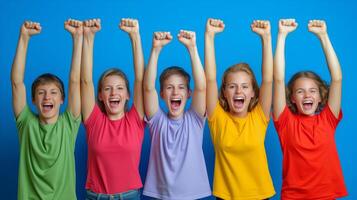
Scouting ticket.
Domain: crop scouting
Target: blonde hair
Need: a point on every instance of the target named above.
(241, 67)
(322, 85)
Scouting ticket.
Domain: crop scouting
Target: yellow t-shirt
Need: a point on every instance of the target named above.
(241, 168)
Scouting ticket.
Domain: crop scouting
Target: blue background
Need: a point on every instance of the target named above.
(51, 52)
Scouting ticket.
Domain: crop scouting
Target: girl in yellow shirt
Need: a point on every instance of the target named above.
(238, 118)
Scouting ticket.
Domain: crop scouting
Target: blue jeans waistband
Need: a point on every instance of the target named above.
(129, 195)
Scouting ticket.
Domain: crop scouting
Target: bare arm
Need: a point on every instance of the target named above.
(18, 67)
(74, 98)
(279, 101)
(319, 28)
(213, 26)
(131, 26)
(188, 38)
(262, 28)
(87, 87)
(151, 102)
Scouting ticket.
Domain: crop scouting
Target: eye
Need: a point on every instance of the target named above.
(54, 92)
(245, 87)
(231, 86)
(182, 87)
(120, 88)
(106, 89)
(40, 92)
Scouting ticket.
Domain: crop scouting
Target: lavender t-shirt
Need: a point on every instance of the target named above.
(177, 168)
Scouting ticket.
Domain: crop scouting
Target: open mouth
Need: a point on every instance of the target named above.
(47, 107)
(175, 103)
(238, 102)
(114, 102)
(307, 105)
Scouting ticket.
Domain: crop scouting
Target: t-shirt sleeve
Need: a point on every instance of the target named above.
(216, 120)
(281, 122)
(23, 119)
(260, 113)
(197, 118)
(154, 121)
(93, 117)
(73, 123)
(134, 115)
(330, 118)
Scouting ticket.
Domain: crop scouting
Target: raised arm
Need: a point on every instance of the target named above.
(213, 26)
(131, 26)
(87, 88)
(319, 28)
(262, 28)
(75, 28)
(279, 102)
(151, 102)
(18, 67)
(188, 38)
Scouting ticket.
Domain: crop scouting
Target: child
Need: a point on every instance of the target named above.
(306, 117)
(114, 133)
(238, 120)
(177, 168)
(47, 139)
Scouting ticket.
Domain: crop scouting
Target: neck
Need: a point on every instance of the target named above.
(46, 121)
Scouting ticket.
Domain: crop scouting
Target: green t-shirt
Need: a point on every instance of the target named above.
(47, 164)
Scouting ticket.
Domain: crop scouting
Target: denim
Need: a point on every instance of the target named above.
(129, 195)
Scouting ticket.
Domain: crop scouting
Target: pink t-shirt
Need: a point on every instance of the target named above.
(114, 148)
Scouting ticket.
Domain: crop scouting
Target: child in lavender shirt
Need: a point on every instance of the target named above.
(177, 169)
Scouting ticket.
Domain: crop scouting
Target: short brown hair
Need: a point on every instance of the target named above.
(105, 74)
(174, 70)
(44, 79)
(243, 67)
(323, 89)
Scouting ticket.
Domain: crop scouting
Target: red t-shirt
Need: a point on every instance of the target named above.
(114, 148)
(311, 167)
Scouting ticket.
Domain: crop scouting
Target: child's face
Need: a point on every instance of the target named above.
(175, 94)
(238, 91)
(48, 99)
(114, 94)
(306, 96)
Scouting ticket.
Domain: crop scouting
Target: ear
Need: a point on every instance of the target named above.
(293, 99)
(161, 94)
(189, 93)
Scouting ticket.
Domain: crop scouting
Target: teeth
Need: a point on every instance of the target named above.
(238, 98)
(307, 101)
(176, 99)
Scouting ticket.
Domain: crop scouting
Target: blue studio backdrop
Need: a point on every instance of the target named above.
(51, 52)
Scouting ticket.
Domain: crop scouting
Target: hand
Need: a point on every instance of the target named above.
(318, 27)
(91, 26)
(287, 25)
(75, 27)
(214, 26)
(129, 25)
(30, 28)
(161, 39)
(188, 38)
(261, 27)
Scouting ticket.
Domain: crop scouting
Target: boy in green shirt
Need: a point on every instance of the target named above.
(47, 139)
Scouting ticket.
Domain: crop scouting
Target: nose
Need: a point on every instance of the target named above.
(174, 91)
(238, 90)
(307, 94)
(47, 95)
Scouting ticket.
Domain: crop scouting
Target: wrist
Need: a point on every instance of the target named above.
(209, 34)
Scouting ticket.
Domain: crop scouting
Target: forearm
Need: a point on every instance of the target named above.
(279, 59)
(87, 60)
(197, 69)
(18, 66)
(267, 60)
(138, 56)
(151, 71)
(331, 58)
(210, 58)
(76, 59)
